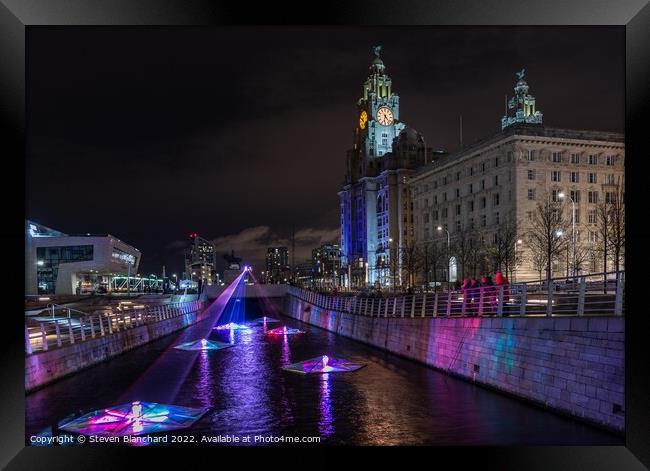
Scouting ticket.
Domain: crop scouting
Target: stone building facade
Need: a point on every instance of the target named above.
(495, 184)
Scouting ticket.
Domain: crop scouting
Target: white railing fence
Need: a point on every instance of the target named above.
(592, 295)
(58, 332)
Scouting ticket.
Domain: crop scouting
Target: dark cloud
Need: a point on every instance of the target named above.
(251, 243)
(152, 134)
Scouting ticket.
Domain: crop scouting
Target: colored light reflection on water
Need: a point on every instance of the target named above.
(264, 320)
(325, 424)
(232, 326)
(284, 330)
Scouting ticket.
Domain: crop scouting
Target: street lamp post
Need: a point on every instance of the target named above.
(573, 228)
(440, 229)
(391, 270)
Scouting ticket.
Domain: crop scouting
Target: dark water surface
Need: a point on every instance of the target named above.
(389, 401)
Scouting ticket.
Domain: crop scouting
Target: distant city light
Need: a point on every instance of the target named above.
(40, 263)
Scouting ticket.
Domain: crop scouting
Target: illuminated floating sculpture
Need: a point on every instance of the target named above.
(323, 364)
(134, 418)
(232, 326)
(284, 330)
(203, 344)
(264, 320)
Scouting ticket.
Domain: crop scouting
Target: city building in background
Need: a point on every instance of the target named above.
(376, 219)
(304, 273)
(484, 198)
(233, 267)
(326, 266)
(59, 263)
(200, 262)
(278, 269)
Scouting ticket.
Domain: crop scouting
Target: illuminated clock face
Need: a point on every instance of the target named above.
(385, 116)
(363, 119)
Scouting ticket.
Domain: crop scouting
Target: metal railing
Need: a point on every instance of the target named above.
(58, 332)
(53, 308)
(583, 296)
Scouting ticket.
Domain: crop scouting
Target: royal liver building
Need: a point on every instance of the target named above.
(376, 209)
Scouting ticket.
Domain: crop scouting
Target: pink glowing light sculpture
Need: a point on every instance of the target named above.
(284, 330)
(323, 364)
(134, 418)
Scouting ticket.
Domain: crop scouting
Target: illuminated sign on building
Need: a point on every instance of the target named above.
(122, 256)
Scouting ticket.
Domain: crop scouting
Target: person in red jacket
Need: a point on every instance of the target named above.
(502, 280)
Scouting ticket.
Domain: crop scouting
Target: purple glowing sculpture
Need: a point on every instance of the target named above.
(284, 330)
(323, 364)
(231, 326)
(203, 344)
(134, 418)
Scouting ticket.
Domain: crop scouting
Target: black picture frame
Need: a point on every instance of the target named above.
(18, 15)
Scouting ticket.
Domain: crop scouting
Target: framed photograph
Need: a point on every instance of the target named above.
(382, 227)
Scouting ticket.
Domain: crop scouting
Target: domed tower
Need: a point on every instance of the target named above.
(521, 107)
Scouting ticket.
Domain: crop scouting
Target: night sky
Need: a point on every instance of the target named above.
(240, 134)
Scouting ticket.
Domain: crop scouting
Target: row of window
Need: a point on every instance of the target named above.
(592, 236)
(531, 156)
(470, 190)
(574, 158)
(574, 177)
(496, 199)
(575, 195)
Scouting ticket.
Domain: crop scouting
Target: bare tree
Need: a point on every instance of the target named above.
(582, 257)
(501, 252)
(547, 233)
(463, 248)
(617, 222)
(411, 260)
(433, 260)
(477, 255)
(538, 261)
(603, 233)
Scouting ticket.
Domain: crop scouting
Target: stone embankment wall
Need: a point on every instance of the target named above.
(574, 365)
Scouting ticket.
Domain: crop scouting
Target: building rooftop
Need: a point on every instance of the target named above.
(531, 130)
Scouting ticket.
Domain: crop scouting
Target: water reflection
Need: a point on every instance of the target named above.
(325, 425)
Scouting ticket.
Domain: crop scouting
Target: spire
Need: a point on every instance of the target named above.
(377, 66)
(521, 107)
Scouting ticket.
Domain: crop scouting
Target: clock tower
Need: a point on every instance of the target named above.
(378, 110)
(373, 196)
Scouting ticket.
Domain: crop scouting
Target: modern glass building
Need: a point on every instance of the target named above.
(59, 263)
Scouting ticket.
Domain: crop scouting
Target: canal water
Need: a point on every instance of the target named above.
(391, 401)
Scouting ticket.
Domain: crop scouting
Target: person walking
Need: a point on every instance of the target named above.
(464, 288)
(473, 293)
(503, 281)
(489, 306)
